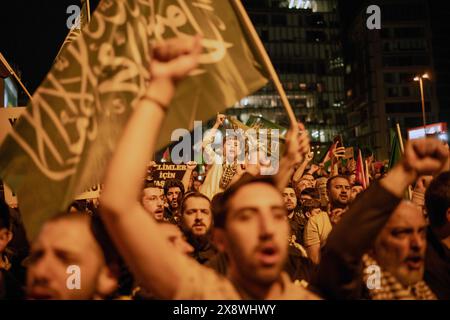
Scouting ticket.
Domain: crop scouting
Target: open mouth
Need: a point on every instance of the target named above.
(39, 294)
(414, 262)
(268, 255)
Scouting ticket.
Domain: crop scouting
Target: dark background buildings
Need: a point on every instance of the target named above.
(381, 66)
(340, 77)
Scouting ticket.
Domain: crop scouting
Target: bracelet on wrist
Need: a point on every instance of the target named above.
(162, 106)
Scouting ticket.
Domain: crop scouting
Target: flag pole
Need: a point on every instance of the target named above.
(13, 73)
(402, 150)
(88, 11)
(400, 138)
(245, 19)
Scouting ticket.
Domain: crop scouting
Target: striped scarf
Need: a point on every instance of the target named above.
(228, 173)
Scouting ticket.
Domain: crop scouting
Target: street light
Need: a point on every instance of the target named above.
(420, 79)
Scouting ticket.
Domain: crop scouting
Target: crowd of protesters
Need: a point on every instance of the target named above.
(303, 233)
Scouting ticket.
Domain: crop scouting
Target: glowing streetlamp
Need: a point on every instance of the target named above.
(420, 79)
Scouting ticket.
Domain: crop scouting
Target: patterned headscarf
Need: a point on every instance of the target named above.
(390, 288)
(228, 173)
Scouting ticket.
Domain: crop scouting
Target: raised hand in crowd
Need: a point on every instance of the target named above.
(338, 153)
(220, 119)
(314, 168)
(422, 157)
(297, 149)
(187, 177)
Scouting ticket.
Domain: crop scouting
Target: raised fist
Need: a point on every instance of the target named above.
(220, 119)
(424, 156)
(191, 165)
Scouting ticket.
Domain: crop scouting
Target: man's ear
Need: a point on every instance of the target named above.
(220, 239)
(107, 282)
(5, 237)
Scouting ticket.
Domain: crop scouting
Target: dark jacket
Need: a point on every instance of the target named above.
(437, 266)
(10, 288)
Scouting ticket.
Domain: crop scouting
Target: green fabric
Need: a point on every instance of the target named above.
(395, 154)
(63, 142)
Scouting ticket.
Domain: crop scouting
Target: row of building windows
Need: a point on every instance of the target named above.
(403, 32)
(280, 34)
(407, 107)
(398, 77)
(314, 20)
(317, 67)
(406, 60)
(311, 83)
(405, 45)
(328, 103)
(294, 5)
(402, 92)
(302, 51)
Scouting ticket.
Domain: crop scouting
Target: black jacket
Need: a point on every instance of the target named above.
(437, 266)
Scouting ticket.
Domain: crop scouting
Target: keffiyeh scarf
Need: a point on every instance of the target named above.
(390, 288)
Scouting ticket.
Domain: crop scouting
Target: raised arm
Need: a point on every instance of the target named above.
(134, 231)
(301, 169)
(190, 167)
(297, 150)
(209, 138)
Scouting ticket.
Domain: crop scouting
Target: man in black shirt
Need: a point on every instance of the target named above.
(196, 223)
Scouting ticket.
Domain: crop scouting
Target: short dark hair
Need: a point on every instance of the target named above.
(437, 199)
(222, 207)
(216, 203)
(312, 192)
(98, 231)
(333, 178)
(192, 195)
(150, 184)
(312, 204)
(306, 174)
(290, 186)
(173, 183)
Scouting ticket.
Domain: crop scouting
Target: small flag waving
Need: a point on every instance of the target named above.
(337, 142)
(62, 144)
(396, 153)
(360, 172)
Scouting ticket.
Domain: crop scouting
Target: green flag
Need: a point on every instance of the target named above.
(62, 144)
(230, 69)
(396, 153)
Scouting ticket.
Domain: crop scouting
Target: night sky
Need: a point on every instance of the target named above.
(31, 33)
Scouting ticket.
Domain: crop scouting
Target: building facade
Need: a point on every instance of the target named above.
(380, 69)
(304, 42)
